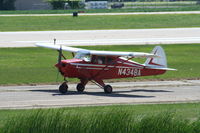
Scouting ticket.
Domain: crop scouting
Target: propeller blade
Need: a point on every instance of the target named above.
(57, 76)
(60, 54)
(59, 60)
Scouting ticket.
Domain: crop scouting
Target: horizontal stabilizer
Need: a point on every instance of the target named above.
(161, 68)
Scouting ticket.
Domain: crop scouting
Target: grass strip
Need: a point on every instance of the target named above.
(36, 65)
(42, 23)
(170, 118)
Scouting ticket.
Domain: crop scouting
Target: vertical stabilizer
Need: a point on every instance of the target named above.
(157, 62)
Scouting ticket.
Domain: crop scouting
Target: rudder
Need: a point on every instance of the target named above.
(158, 62)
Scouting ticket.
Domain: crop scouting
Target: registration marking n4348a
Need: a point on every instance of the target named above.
(129, 71)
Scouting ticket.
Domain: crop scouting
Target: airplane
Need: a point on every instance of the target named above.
(96, 66)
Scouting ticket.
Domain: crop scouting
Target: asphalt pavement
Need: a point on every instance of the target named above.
(102, 37)
(44, 96)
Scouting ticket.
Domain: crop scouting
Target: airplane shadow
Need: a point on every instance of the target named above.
(114, 94)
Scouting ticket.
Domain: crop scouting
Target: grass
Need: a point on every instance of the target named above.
(42, 23)
(27, 65)
(170, 118)
(36, 65)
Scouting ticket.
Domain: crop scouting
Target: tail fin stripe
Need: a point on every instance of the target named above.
(151, 63)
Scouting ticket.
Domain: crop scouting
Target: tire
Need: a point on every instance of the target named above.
(108, 89)
(80, 87)
(63, 88)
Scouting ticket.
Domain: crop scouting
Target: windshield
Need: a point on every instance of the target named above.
(83, 55)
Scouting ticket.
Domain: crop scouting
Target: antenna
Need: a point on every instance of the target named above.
(54, 40)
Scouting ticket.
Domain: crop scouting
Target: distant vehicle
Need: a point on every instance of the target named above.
(96, 5)
(96, 66)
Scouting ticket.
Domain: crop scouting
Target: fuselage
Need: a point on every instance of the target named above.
(104, 68)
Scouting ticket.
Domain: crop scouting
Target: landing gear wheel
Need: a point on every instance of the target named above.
(63, 88)
(80, 87)
(108, 89)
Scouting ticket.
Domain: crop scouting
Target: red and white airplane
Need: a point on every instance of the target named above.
(96, 66)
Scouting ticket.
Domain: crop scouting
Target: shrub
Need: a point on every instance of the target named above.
(73, 4)
(59, 4)
(108, 121)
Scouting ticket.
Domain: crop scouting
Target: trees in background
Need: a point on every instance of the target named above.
(7, 4)
(60, 4)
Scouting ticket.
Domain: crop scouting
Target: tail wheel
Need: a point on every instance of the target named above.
(63, 88)
(108, 89)
(80, 87)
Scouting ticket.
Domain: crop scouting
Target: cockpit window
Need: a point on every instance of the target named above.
(87, 58)
(83, 55)
(99, 59)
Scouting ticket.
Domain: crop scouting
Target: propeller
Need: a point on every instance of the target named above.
(59, 60)
(60, 55)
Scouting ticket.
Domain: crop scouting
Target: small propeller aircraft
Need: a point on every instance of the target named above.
(96, 66)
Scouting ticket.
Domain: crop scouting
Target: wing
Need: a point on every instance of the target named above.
(128, 54)
(100, 53)
(57, 47)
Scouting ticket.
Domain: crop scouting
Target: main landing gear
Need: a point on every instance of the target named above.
(81, 86)
(107, 89)
(63, 87)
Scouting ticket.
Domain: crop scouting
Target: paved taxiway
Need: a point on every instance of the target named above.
(124, 93)
(102, 37)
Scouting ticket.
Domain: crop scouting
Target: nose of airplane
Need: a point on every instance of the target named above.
(61, 64)
(57, 65)
(61, 67)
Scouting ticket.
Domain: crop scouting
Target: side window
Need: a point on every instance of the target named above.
(94, 59)
(101, 60)
(110, 60)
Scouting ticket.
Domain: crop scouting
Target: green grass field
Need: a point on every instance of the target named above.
(160, 118)
(36, 65)
(35, 23)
